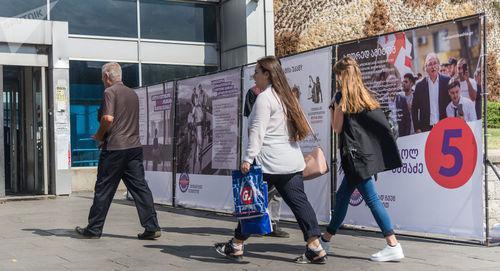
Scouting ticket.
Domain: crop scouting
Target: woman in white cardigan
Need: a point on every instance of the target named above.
(276, 125)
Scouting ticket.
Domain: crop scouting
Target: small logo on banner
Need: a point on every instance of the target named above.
(247, 195)
(356, 198)
(184, 182)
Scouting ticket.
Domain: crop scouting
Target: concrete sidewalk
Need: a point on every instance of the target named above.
(38, 235)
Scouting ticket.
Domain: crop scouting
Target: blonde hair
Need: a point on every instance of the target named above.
(297, 123)
(355, 96)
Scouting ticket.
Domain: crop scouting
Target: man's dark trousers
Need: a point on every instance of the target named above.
(114, 166)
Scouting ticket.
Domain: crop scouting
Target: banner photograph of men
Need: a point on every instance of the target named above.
(409, 72)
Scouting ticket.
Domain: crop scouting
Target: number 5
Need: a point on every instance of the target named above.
(453, 151)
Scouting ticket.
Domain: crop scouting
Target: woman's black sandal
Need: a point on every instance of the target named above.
(311, 256)
(227, 250)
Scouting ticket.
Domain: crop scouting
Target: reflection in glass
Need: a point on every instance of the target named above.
(178, 21)
(117, 18)
(26, 9)
(156, 73)
(86, 90)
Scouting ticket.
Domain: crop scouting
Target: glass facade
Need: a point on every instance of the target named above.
(86, 90)
(26, 9)
(160, 19)
(186, 21)
(178, 21)
(115, 18)
(157, 73)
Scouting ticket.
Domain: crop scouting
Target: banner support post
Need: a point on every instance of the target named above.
(485, 128)
(174, 143)
(240, 117)
(333, 183)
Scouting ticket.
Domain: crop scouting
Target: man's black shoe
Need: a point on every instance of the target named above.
(149, 235)
(83, 232)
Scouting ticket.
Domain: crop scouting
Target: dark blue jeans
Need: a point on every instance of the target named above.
(367, 189)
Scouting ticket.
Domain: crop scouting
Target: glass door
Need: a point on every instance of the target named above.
(23, 109)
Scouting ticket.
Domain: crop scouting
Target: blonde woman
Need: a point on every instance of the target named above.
(367, 147)
(276, 125)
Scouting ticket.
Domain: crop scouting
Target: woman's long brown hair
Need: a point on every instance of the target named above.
(297, 123)
(355, 96)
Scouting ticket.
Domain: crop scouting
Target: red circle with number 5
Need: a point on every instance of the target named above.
(451, 153)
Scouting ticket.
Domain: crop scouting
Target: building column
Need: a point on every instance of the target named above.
(247, 31)
(2, 150)
(60, 135)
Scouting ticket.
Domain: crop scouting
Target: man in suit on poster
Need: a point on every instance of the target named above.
(431, 96)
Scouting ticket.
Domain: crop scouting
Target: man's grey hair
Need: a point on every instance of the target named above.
(113, 71)
(431, 56)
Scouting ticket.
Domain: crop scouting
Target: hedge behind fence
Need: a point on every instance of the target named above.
(493, 115)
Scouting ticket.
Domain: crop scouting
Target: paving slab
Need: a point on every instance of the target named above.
(39, 235)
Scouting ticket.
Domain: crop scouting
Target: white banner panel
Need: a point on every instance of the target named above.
(309, 74)
(207, 147)
(205, 192)
(160, 184)
(418, 202)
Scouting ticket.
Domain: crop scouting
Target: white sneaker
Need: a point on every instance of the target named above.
(325, 245)
(389, 254)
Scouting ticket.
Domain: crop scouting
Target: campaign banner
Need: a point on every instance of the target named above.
(156, 133)
(142, 94)
(310, 75)
(427, 80)
(208, 138)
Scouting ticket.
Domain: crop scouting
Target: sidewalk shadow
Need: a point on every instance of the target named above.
(331, 255)
(200, 231)
(283, 224)
(410, 238)
(204, 254)
(180, 210)
(208, 254)
(71, 233)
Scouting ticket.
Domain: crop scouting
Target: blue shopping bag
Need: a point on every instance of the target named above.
(249, 193)
(256, 225)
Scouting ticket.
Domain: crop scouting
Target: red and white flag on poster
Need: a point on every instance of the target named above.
(400, 52)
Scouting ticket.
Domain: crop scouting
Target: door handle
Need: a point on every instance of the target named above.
(32, 132)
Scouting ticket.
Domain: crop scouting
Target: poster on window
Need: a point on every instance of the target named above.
(207, 146)
(428, 81)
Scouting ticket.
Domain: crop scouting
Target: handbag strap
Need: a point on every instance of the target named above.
(316, 140)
